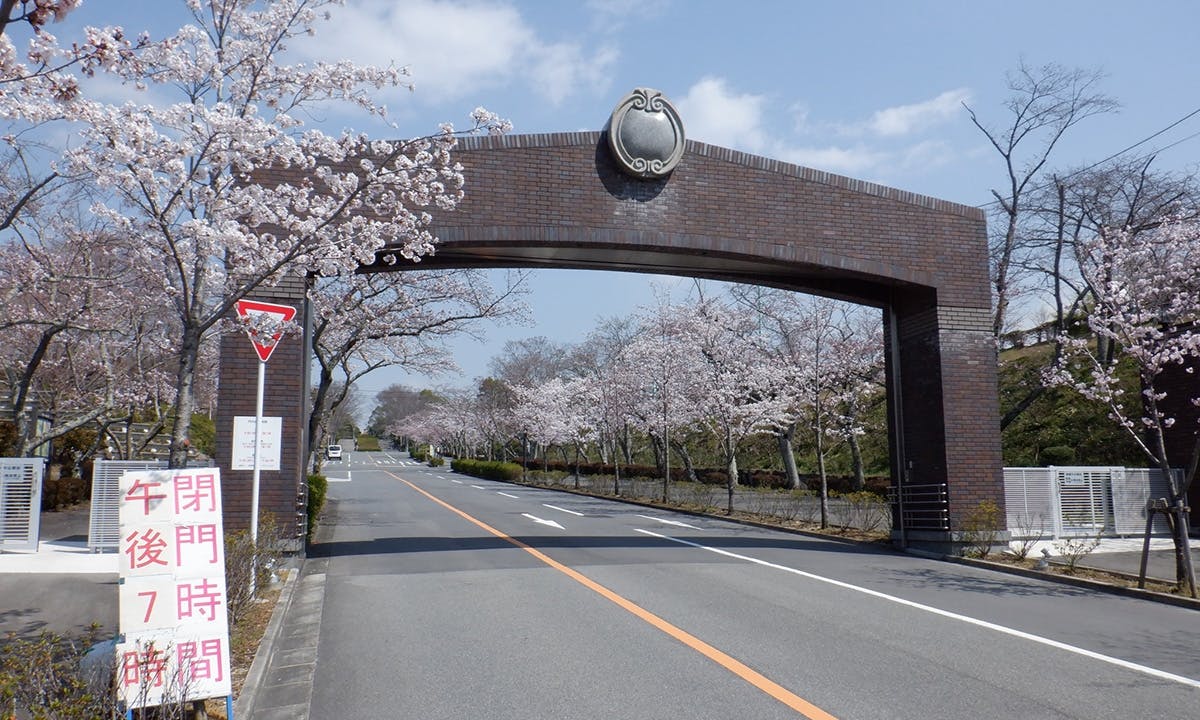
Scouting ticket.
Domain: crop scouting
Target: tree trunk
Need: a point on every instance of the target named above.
(625, 446)
(824, 480)
(576, 466)
(185, 400)
(657, 445)
(784, 438)
(731, 482)
(686, 456)
(860, 476)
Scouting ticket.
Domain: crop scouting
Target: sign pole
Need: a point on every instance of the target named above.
(248, 310)
(258, 421)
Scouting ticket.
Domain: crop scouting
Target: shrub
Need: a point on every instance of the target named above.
(420, 453)
(1057, 455)
(317, 487)
(246, 561)
(60, 492)
(981, 528)
(1075, 549)
(436, 461)
(490, 469)
(42, 677)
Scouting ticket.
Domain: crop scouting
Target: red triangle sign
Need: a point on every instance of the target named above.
(251, 310)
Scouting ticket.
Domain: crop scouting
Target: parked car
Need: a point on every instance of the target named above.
(333, 452)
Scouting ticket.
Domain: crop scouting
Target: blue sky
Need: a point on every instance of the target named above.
(872, 90)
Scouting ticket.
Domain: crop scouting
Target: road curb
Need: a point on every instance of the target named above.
(1176, 600)
(244, 703)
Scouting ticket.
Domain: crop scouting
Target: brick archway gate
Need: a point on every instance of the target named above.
(559, 201)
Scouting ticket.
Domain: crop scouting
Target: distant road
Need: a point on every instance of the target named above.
(454, 597)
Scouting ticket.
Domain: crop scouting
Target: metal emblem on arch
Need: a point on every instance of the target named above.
(645, 134)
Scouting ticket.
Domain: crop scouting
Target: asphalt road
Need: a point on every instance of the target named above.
(454, 597)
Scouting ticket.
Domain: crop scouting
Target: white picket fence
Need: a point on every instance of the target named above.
(1056, 502)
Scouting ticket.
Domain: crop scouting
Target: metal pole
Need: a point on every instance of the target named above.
(258, 418)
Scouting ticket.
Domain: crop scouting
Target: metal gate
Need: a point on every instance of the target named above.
(1085, 499)
(1081, 501)
(104, 532)
(20, 502)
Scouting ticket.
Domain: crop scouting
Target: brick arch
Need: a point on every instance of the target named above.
(559, 201)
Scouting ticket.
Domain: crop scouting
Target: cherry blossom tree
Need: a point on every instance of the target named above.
(831, 356)
(655, 372)
(559, 412)
(362, 323)
(76, 342)
(1146, 290)
(194, 184)
(737, 391)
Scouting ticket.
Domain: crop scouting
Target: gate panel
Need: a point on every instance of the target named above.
(104, 532)
(20, 502)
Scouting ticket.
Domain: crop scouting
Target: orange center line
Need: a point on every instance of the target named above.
(755, 678)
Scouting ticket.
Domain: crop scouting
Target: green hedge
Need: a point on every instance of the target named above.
(436, 461)
(490, 469)
(317, 485)
(366, 443)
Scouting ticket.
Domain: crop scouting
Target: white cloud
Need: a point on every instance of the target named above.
(559, 70)
(613, 15)
(907, 119)
(841, 160)
(714, 114)
(455, 48)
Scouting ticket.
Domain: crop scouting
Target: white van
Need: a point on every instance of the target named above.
(333, 452)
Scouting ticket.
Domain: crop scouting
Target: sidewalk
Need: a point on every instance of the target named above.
(62, 588)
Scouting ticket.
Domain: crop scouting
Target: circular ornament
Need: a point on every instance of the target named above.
(646, 134)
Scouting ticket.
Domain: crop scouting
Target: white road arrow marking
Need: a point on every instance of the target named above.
(669, 522)
(555, 507)
(514, 497)
(540, 521)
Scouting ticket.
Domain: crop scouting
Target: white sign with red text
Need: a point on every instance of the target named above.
(173, 609)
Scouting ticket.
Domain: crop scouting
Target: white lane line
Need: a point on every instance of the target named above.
(669, 522)
(1145, 670)
(456, 481)
(338, 479)
(555, 507)
(440, 477)
(479, 487)
(540, 521)
(514, 497)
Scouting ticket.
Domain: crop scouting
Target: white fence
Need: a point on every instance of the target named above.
(20, 502)
(104, 532)
(1081, 501)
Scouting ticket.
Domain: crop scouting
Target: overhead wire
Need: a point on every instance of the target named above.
(1121, 152)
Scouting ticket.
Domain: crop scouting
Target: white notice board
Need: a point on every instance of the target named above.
(243, 443)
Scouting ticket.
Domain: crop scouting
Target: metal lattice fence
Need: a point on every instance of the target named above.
(104, 532)
(20, 502)
(1081, 501)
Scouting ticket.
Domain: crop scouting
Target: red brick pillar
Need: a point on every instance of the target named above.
(282, 493)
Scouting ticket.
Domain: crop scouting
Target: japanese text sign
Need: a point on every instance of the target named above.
(173, 613)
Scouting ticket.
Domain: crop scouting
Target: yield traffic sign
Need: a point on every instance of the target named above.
(260, 315)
